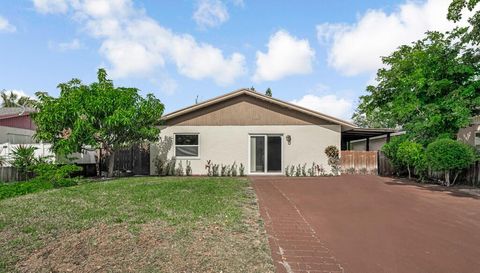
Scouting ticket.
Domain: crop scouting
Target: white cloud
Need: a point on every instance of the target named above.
(210, 13)
(5, 26)
(357, 48)
(286, 55)
(136, 45)
(74, 44)
(51, 6)
(328, 104)
(239, 3)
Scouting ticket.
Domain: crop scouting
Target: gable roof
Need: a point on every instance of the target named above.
(256, 95)
(9, 112)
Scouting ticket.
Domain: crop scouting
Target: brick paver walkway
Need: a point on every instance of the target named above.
(368, 224)
(295, 245)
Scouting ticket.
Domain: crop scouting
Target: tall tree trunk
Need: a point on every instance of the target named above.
(409, 175)
(111, 163)
(447, 178)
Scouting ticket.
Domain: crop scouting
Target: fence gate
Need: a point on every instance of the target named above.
(135, 159)
(365, 162)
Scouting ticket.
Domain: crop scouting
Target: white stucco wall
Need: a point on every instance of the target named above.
(226, 144)
(16, 135)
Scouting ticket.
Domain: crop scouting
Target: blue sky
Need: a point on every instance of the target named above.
(319, 54)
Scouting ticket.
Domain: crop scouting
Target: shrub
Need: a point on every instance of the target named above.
(9, 190)
(188, 168)
(333, 159)
(209, 168)
(298, 171)
(160, 165)
(57, 175)
(234, 169)
(23, 159)
(321, 170)
(287, 171)
(449, 155)
(215, 169)
(179, 169)
(390, 150)
(410, 154)
(304, 169)
(241, 170)
(171, 167)
(223, 170)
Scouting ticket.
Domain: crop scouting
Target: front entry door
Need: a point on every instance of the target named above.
(265, 154)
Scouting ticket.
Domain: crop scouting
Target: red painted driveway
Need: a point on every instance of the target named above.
(368, 224)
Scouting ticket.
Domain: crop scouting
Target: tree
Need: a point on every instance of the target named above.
(268, 92)
(390, 150)
(410, 154)
(98, 115)
(455, 11)
(429, 88)
(449, 155)
(12, 100)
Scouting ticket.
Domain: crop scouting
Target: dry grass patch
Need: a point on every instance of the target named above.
(136, 225)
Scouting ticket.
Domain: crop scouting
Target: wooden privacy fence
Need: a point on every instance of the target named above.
(364, 162)
(8, 174)
(134, 159)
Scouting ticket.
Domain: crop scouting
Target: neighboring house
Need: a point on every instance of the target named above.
(469, 135)
(262, 133)
(16, 125)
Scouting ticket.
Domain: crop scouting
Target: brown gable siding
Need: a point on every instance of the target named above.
(245, 110)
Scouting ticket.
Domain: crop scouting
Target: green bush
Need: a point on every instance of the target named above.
(8, 190)
(449, 155)
(57, 175)
(390, 150)
(411, 155)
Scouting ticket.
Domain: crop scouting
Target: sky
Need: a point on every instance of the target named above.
(318, 54)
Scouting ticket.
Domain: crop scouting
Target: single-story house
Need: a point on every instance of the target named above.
(262, 133)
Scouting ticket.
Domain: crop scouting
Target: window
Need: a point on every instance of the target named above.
(186, 145)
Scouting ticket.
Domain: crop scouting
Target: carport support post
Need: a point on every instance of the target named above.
(367, 148)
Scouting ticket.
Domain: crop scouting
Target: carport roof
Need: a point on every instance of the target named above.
(362, 133)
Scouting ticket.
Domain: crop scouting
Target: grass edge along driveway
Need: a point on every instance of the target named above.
(141, 224)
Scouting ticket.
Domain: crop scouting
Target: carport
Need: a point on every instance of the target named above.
(364, 133)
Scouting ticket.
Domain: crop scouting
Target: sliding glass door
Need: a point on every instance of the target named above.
(265, 154)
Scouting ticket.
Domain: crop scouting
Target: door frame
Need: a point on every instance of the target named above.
(265, 172)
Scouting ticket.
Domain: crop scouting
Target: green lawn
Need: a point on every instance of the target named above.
(146, 224)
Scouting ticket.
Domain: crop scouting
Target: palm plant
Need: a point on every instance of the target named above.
(13, 100)
(23, 159)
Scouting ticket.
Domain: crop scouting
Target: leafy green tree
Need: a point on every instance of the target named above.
(429, 88)
(268, 92)
(390, 150)
(410, 154)
(448, 155)
(455, 10)
(98, 115)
